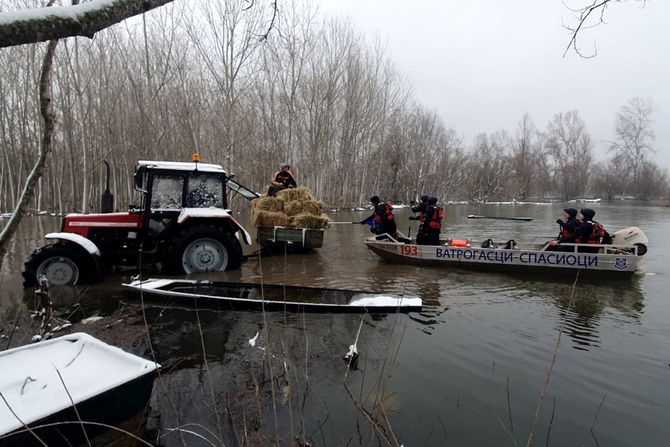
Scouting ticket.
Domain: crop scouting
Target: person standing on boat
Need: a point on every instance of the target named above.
(282, 179)
(421, 209)
(432, 223)
(382, 219)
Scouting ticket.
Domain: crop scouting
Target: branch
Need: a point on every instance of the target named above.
(43, 24)
(583, 15)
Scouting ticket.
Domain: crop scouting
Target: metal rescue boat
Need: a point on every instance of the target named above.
(622, 258)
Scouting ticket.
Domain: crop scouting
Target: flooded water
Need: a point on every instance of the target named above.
(469, 369)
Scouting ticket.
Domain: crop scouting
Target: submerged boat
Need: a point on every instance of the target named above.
(622, 258)
(276, 297)
(41, 382)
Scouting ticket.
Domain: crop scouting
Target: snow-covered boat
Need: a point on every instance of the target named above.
(40, 383)
(622, 258)
(274, 296)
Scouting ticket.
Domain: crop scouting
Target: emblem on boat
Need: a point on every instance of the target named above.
(620, 264)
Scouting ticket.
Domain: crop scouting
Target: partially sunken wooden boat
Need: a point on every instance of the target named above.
(621, 259)
(40, 382)
(275, 297)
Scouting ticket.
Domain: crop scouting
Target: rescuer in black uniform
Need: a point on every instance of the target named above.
(432, 224)
(382, 219)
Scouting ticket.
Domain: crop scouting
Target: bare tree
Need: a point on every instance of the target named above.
(610, 179)
(488, 167)
(653, 182)
(635, 137)
(50, 24)
(570, 147)
(524, 159)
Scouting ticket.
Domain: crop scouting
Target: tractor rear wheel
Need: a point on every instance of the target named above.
(204, 248)
(61, 266)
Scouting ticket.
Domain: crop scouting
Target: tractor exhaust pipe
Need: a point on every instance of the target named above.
(107, 200)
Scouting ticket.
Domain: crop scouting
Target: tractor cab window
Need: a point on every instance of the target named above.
(166, 192)
(204, 191)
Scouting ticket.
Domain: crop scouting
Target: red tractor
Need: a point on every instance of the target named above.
(183, 226)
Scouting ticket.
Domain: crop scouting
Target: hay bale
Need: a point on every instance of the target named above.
(301, 193)
(267, 204)
(312, 207)
(305, 220)
(270, 219)
(293, 207)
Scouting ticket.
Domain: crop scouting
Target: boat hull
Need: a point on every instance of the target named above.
(234, 296)
(526, 261)
(109, 408)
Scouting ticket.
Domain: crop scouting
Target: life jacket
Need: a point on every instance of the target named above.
(597, 234)
(388, 214)
(435, 221)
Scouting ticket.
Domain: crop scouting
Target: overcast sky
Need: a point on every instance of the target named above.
(482, 64)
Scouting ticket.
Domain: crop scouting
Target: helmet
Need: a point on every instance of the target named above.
(571, 212)
(374, 199)
(284, 165)
(432, 200)
(588, 213)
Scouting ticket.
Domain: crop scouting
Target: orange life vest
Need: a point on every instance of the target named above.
(388, 214)
(435, 221)
(597, 234)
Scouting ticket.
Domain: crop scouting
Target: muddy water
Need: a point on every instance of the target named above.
(466, 370)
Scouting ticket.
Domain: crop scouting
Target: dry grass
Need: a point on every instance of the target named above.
(306, 220)
(293, 207)
(301, 193)
(267, 204)
(270, 219)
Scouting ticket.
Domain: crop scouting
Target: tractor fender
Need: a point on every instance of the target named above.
(84, 243)
(214, 213)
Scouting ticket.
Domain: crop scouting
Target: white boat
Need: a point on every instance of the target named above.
(585, 200)
(275, 296)
(40, 382)
(622, 258)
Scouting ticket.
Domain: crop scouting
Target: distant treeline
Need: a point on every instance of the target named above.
(198, 77)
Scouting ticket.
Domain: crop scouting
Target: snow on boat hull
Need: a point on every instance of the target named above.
(617, 261)
(275, 297)
(106, 384)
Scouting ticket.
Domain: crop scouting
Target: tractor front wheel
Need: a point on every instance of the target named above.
(61, 266)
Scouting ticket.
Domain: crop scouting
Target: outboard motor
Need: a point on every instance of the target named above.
(632, 236)
(107, 200)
